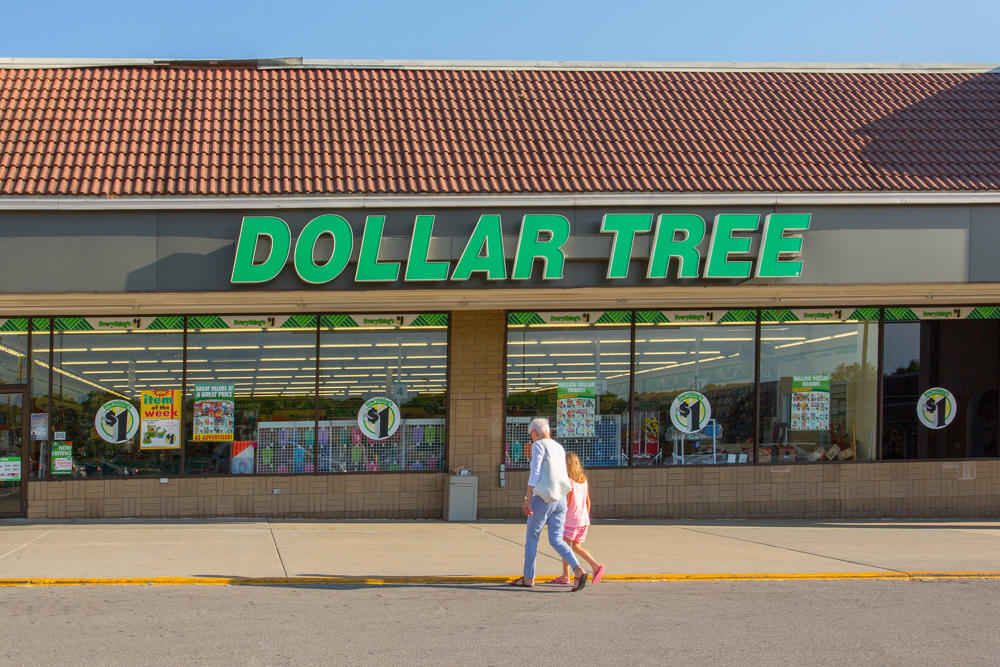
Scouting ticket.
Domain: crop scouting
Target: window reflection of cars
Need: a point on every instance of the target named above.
(102, 469)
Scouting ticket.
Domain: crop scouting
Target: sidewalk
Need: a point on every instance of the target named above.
(219, 551)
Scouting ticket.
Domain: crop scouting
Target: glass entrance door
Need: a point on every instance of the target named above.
(11, 450)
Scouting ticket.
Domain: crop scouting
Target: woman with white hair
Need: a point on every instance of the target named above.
(546, 506)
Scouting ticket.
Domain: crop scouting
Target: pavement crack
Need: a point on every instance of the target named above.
(26, 544)
(514, 542)
(277, 550)
(798, 551)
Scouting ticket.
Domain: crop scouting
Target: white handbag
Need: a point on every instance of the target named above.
(553, 481)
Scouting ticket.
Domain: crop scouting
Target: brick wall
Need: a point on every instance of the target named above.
(477, 398)
(834, 490)
(352, 496)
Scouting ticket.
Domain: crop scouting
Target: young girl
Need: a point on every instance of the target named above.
(577, 519)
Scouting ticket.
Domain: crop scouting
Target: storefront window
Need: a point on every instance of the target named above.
(254, 404)
(818, 385)
(572, 368)
(400, 357)
(694, 384)
(250, 402)
(14, 350)
(14, 367)
(106, 371)
(940, 397)
(40, 433)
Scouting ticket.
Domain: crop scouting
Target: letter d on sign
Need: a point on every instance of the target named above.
(244, 270)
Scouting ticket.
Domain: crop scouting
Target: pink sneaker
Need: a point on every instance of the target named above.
(598, 574)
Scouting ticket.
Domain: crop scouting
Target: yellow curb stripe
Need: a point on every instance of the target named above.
(135, 581)
(398, 580)
(804, 576)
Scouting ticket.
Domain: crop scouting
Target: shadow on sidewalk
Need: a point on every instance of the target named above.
(349, 582)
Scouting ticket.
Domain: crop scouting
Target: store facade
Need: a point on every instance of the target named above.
(707, 355)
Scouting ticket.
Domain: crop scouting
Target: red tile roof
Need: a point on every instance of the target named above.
(242, 131)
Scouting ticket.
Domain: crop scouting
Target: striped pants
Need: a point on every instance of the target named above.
(553, 514)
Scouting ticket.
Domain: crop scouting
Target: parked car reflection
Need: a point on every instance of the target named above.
(104, 469)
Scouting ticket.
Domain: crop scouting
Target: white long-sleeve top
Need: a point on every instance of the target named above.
(538, 448)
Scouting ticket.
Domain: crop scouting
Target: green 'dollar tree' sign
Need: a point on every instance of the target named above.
(542, 237)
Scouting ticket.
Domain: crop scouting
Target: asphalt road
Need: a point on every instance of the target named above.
(757, 623)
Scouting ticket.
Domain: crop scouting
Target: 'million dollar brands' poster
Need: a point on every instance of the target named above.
(576, 404)
(810, 403)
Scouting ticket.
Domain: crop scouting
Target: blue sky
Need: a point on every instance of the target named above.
(959, 31)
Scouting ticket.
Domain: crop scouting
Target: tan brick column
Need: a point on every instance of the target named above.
(476, 396)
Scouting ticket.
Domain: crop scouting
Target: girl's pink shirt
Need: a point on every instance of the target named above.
(577, 515)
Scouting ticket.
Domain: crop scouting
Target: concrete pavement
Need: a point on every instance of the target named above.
(767, 623)
(261, 551)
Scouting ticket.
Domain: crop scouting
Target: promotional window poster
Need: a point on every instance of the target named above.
(10, 468)
(243, 457)
(810, 403)
(576, 405)
(62, 458)
(213, 412)
(160, 419)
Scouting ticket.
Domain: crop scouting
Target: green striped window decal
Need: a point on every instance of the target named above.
(900, 315)
(206, 322)
(430, 320)
(17, 324)
(299, 322)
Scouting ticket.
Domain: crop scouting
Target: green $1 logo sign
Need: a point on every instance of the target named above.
(936, 408)
(379, 418)
(690, 412)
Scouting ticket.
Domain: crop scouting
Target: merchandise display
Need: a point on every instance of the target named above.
(602, 449)
(288, 447)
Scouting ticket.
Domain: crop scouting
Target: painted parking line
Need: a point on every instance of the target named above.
(430, 580)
